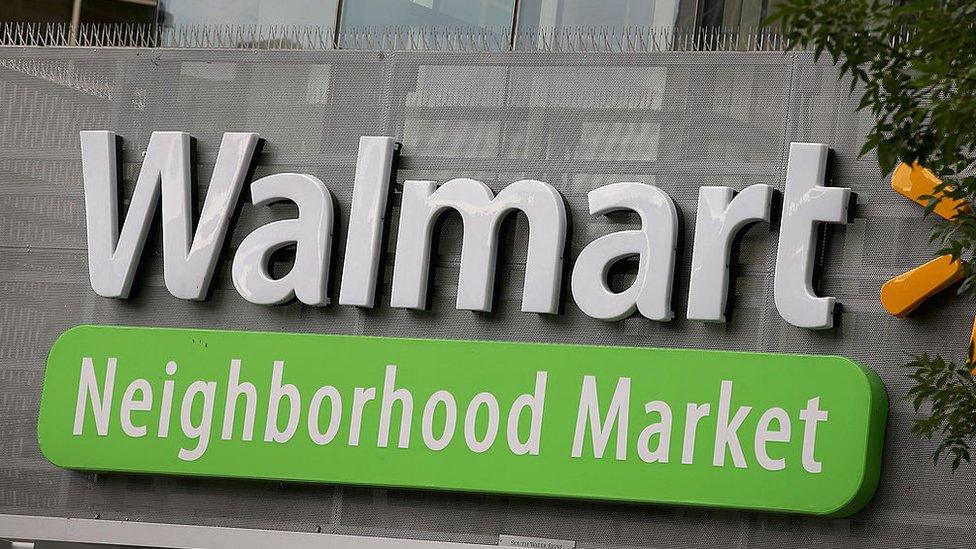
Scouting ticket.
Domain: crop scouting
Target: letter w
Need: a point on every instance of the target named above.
(189, 259)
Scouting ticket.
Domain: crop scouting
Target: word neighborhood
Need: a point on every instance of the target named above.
(190, 256)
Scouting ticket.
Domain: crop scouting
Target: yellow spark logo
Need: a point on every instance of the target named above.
(905, 292)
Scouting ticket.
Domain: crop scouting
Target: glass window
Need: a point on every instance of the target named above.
(735, 13)
(606, 13)
(320, 13)
(495, 14)
(540, 21)
(117, 11)
(435, 23)
(36, 11)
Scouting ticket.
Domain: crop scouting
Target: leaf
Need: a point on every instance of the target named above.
(887, 157)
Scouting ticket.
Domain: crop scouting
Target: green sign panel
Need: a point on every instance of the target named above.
(775, 432)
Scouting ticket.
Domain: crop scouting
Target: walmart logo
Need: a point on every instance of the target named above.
(905, 292)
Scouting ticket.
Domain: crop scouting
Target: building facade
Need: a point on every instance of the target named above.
(572, 97)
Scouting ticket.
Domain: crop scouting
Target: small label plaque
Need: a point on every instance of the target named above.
(505, 540)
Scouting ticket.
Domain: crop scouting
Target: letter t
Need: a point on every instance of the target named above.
(810, 416)
(806, 203)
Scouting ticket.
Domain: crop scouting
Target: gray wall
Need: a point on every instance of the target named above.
(577, 121)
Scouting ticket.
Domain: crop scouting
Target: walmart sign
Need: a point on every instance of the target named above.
(774, 432)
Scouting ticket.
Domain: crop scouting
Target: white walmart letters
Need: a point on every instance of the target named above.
(720, 218)
(654, 244)
(190, 256)
(424, 201)
(311, 233)
(806, 204)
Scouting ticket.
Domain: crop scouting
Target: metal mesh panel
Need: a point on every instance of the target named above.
(577, 121)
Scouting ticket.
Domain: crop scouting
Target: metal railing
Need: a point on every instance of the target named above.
(470, 39)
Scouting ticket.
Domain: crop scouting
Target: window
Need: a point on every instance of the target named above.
(606, 13)
(435, 23)
(542, 21)
(734, 13)
(441, 14)
(117, 11)
(321, 13)
(416, 24)
(36, 11)
(87, 12)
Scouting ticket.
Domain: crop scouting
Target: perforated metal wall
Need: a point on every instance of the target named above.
(577, 121)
